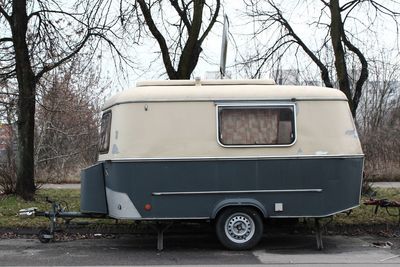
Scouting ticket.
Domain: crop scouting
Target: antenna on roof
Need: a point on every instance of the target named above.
(224, 46)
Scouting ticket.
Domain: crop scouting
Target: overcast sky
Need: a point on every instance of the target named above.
(301, 14)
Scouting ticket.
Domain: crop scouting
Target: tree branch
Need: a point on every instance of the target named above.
(288, 44)
(348, 5)
(159, 37)
(4, 13)
(317, 61)
(364, 70)
(6, 39)
(49, 67)
(72, 15)
(212, 22)
(7, 75)
(384, 9)
(182, 14)
(324, 2)
(192, 48)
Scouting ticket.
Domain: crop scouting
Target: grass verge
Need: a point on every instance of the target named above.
(10, 205)
(366, 214)
(362, 216)
(69, 198)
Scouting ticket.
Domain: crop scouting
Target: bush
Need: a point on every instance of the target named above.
(8, 175)
(381, 146)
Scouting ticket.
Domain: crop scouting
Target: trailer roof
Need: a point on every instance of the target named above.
(203, 82)
(220, 90)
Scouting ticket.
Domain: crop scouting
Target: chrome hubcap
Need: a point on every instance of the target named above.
(239, 228)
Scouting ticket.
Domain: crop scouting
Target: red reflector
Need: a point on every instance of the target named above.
(147, 207)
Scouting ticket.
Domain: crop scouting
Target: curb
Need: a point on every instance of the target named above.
(195, 229)
(133, 229)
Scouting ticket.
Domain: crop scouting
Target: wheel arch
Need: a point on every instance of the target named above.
(239, 202)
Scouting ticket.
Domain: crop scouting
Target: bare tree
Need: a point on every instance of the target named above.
(37, 37)
(68, 120)
(340, 41)
(382, 93)
(379, 117)
(179, 27)
(7, 147)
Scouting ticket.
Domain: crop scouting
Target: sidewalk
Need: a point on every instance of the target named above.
(386, 184)
(61, 186)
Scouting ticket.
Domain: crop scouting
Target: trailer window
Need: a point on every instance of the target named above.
(105, 132)
(256, 125)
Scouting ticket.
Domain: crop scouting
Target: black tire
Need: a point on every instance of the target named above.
(239, 228)
(44, 236)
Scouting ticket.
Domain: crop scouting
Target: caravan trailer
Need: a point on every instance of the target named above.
(233, 152)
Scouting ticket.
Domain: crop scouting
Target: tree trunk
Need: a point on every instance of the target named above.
(26, 102)
(338, 50)
(191, 51)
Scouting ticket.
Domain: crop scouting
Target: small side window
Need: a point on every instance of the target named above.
(105, 132)
(265, 125)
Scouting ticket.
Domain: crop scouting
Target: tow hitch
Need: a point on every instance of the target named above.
(28, 213)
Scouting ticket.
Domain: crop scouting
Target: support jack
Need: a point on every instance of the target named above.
(318, 234)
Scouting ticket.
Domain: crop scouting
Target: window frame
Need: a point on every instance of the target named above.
(219, 106)
(107, 148)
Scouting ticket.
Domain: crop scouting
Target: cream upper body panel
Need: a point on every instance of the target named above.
(165, 130)
(225, 90)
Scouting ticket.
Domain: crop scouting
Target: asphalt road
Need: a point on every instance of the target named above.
(198, 250)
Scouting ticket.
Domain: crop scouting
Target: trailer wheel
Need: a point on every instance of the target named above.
(45, 236)
(239, 228)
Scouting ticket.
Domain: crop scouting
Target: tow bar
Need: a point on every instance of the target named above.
(57, 211)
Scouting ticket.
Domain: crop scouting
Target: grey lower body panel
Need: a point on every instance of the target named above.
(289, 187)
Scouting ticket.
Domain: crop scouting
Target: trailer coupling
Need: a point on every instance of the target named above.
(27, 213)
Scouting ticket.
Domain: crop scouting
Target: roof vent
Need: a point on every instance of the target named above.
(197, 81)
